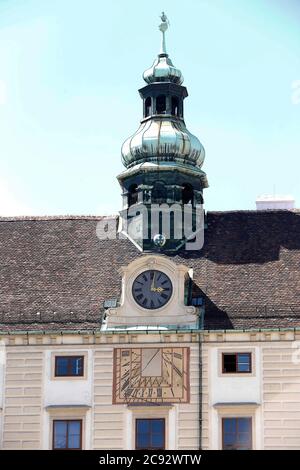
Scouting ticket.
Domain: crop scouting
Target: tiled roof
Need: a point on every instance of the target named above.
(55, 273)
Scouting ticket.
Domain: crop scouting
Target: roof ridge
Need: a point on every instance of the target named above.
(115, 216)
(56, 217)
(253, 211)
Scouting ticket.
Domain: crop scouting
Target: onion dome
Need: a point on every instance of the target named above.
(163, 70)
(159, 140)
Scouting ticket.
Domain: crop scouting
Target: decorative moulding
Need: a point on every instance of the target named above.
(175, 313)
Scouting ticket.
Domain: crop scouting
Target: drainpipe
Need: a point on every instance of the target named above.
(201, 326)
(200, 389)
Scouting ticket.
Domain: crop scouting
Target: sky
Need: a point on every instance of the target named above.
(70, 71)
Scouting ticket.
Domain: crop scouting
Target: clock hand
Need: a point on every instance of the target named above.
(158, 289)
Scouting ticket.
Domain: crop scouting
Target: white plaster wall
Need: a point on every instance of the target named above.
(76, 391)
(81, 392)
(229, 389)
(67, 392)
(46, 431)
(172, 444)
(128, 418)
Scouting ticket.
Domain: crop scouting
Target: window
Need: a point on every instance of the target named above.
(197, 301)
(237, 433)
(67, 434)
(150, 434)
(69, 366)
(161, 104)
(236, 363)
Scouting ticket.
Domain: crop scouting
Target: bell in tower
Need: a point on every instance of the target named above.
(162, 186)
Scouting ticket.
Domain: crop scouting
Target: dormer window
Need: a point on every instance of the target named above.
(161, 104)
(148, 107)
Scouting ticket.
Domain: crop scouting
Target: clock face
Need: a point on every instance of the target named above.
(152, 289)
(151, 375)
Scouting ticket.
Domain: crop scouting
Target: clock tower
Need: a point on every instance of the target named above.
(162, 185)
(162, 189)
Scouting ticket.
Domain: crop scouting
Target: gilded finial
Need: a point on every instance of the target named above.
(163, 28)
(164, 18)
(163, 69)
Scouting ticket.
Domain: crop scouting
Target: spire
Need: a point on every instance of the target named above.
(163, 28)
(162, 69)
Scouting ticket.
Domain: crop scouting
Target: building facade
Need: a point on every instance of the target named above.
(122, 333)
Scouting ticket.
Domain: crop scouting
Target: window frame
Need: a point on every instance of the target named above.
(236, 354)
(67, 421)
(150, 419)
(69, 357)
(237, 418)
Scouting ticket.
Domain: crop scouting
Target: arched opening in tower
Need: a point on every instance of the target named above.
(187, 194)
(159, 193)
(161, 104)
(148, 106)
(132, 195)
(175, 106)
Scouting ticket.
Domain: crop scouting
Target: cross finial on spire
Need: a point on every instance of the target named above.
(163, 28)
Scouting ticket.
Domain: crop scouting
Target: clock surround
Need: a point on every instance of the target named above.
(175, 314)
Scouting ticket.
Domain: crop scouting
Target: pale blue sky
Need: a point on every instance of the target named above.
(69, 75)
